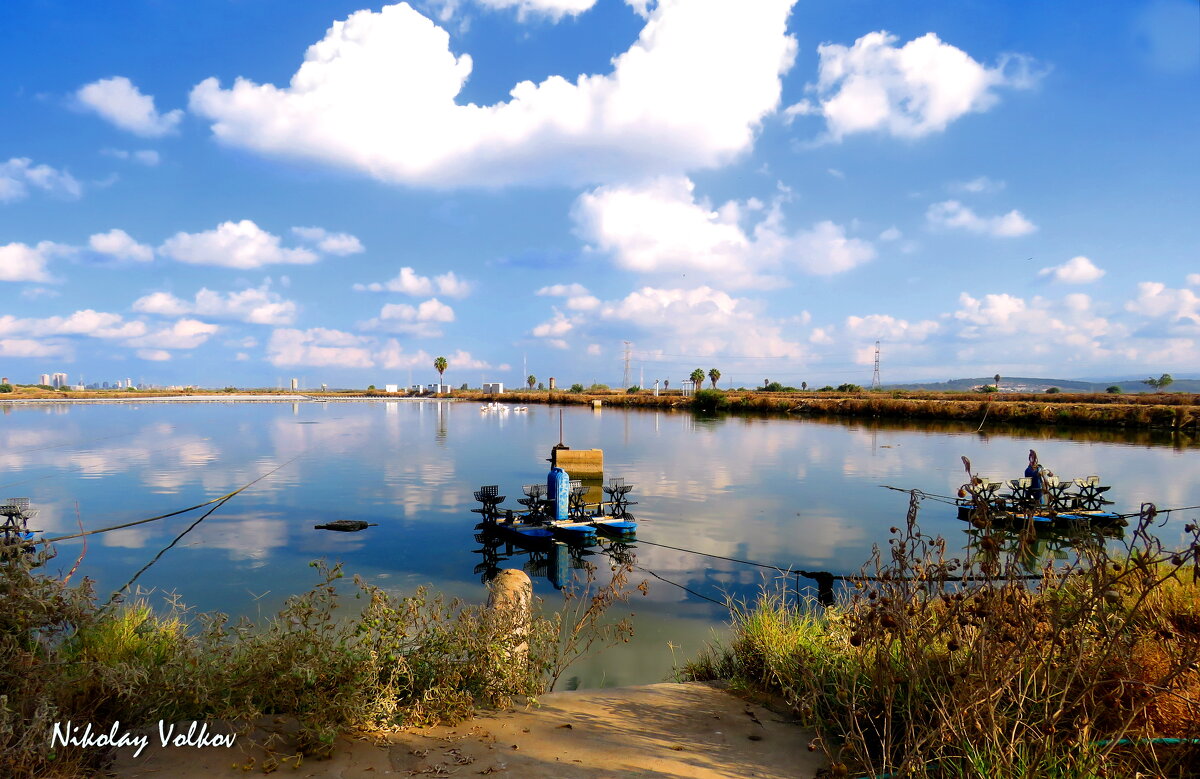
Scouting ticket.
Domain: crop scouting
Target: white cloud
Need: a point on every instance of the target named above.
(552, 9)
(184, 334)
(558, 326)
(19, 174)
(660, 227)
(147, 157)
(234, 245)
(418, 320)
(19, 262)
(27, 347)
(118, 244)
(891, 234)
(889, 328)
(563, 290)
(1077, 270)
(120, 102)
(154, 355)
(1193, 279)
(1157, 300)
(978, 185)
(952, 214)
(256, 305)
(340, 244)
(319, 347)
(409, 282)
(908, 91)
(378, 94)
(94, 324)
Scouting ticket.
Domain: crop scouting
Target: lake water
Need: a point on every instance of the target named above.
(784, 492)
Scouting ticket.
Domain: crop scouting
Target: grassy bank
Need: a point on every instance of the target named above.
(933, 666)
(391, 661)
(1178, 411)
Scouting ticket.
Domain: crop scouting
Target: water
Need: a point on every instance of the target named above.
(783, 492)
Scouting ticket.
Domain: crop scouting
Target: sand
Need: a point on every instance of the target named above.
(689, 731)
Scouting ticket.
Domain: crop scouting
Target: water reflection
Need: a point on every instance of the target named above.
(783, 492)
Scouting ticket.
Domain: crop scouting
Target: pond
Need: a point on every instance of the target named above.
(782, 492)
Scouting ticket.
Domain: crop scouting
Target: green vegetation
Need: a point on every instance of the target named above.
(598, 388)
(577, 388)
(1052, 390)
(1113, 390)
(394, 660)
(708, 401)
(531, 380)
(440, 365)
(1161, 383)
(635, 389)
(697, 377)
(986, 388)
(714, 375)
(932, 666)
(849, 388)
(370, 388)
(6, 387)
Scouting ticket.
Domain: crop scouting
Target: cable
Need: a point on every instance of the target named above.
(680, 586)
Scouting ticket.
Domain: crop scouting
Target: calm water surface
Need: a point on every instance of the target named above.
(789, 493)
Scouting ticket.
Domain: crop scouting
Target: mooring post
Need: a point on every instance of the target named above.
(510, 597)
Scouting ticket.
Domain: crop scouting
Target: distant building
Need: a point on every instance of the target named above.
(391, 387)
(58, 380)
(417, 389)
(552, 384)
(493, 387)
(437, 389)
(295, 384)
(44, 379)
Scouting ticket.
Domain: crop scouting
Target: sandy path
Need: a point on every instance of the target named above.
(689, 731)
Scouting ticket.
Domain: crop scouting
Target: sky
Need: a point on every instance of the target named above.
(238, 192)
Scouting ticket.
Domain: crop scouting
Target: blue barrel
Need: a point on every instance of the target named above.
(558, 490)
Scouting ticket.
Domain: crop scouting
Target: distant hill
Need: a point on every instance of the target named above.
(1024, 384)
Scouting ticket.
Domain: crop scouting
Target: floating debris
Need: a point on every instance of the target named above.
(346, 525)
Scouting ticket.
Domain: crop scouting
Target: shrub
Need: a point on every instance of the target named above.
(849, 388)
(1113, 390)
(635, 389)
(1053, 390)
(598, 388)
(576, 388)
(986, 388)
(6, 387)
(826, 388)
(709, 400)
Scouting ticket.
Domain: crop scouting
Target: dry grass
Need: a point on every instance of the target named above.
(924, 672)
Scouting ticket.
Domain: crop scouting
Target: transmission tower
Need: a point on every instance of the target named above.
(625, 383)
(875, 376)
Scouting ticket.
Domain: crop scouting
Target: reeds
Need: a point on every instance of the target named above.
(937, 666)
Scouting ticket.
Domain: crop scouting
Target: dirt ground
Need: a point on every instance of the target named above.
(688, 731)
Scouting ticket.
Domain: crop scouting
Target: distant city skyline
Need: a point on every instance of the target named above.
(342, 193)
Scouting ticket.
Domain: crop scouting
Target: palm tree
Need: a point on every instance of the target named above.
(531, 381)
(714, 374)
(440, 365)
(697, 378)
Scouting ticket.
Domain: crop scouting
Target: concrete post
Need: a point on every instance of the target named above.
(511, 594)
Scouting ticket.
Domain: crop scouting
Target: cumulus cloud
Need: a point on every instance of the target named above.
(154, 355)
(417, 320)
(889, 328)
(577, 295)
(255, 305)
(977, 185)
(952, 214)
(117, 100)
(234, 245)
(551, 9)
(120, 245)
(409, 282)
(907, 91)
(183, 334)
(340, 244)
(379, 94)
(19, 174)
(1077, 270)
(1193, 279)
(20, 262)
(87, 322)
(1158, 301)
(28, 347)
(319, 347)
(661, 227)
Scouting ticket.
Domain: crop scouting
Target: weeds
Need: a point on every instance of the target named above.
(393, 661)
(935, 666)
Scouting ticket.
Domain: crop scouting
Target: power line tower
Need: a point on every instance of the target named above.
(875, 376)
(626, 380)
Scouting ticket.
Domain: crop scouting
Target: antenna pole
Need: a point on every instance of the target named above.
(560, 427)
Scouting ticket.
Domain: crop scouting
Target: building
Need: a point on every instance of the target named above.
(391, 387)
(295, 384)
(552, 384)
(493, 387)
(44, 379)
(437, 389)
(58, 380)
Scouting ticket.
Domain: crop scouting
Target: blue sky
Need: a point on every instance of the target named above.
(243, 191)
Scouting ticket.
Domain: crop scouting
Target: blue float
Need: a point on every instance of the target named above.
(558, 490)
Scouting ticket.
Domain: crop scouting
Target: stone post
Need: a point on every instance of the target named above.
(511, 596)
